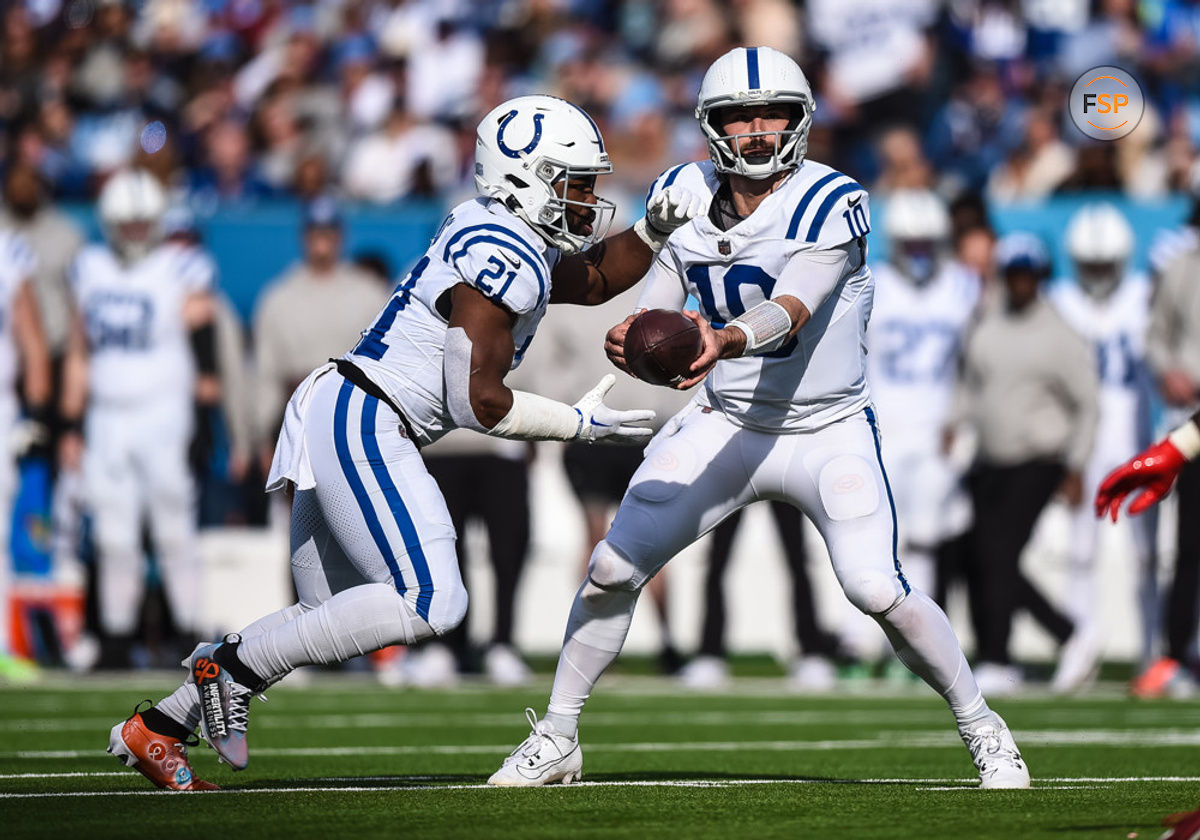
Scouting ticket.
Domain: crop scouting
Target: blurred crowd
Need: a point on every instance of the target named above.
(232, 103)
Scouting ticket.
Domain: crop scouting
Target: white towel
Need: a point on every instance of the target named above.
(291, 456)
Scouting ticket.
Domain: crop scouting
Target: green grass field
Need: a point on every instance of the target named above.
(342, 757)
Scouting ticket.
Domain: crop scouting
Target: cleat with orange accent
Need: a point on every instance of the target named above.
(160, 758)
(1165, 677)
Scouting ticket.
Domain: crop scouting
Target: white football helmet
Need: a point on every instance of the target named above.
(131, 207)
(523, 147)
(1099, 242)
(917, 226)
(755, 76)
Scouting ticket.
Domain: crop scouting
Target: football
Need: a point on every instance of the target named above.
(661, 345)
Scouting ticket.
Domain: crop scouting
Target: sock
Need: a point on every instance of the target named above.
(163, 724)
(355, 621)
(183, 705)
(925, 642)
(227, 657)
(596, 632)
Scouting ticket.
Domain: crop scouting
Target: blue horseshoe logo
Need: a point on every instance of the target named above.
(516, 153)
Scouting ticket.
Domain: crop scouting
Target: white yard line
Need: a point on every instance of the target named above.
(924, 785)
(927, 739)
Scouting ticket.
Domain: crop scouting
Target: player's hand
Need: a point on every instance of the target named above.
(614, 343)
(1153, 471)
(1178, 388)
(673, 208)
(70, 451)
(1071, 489)
(600, 422)
(710, 351)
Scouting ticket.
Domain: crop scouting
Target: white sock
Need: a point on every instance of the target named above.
(355, 621)
(183, 705)
(596, 632)
(925, 642)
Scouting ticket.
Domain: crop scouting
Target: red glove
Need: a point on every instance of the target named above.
(1155, 470)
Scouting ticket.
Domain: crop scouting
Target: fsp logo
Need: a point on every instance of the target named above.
(1106, 103)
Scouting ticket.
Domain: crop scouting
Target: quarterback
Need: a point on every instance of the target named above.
(434, 359)
(778, 264)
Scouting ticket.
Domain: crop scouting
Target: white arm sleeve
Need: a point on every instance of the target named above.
(811, 275)
(663, 287)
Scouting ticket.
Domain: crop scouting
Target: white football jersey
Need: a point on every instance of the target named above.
(914, 343)
(483, 244)
(17, 264)
(816, 378)
(1116, 327)
(138, 344)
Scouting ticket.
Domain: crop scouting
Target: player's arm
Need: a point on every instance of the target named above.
(1153, 471)
(811, 278)
(663, 289)
(34, 352)
(199, 316)
(616, 264)
(74, 396)
(478, 354)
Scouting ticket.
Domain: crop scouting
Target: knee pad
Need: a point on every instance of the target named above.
(872, 592)
(608, 570)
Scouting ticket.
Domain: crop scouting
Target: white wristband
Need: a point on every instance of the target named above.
(1187, 440)
(534, 417)
(654, 239)
(766, 327)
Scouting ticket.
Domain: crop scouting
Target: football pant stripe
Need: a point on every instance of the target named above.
(408, 531)
(341, 443)
(891, 501)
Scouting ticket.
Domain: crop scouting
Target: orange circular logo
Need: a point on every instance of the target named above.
(1106, 103)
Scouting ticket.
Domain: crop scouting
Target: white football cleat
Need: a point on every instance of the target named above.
(995, 755)
(545, 757)
(1078, 663)
(504, 668)
(704, 672)
(812, 673)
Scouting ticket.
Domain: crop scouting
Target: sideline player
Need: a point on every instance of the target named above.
(779, 267)
(434, 359)
(1153, 471)
(23, 350)
(1110, 307)
(145, 306)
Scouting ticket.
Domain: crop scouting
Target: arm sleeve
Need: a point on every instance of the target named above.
(663, 287)
(811, 275)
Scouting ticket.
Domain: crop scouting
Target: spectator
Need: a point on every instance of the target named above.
(1035, 168)
(230, 174)
(404, 157)
(902, 162)
(313, 311)
(1028, 388)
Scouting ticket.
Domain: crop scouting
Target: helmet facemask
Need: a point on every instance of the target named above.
(787, 147)
(1099, 278)
(917, 260)
(567, 220)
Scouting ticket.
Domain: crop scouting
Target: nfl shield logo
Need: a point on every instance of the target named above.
(723, 247)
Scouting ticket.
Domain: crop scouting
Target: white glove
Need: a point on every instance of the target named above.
(669, 209)
(599, 422)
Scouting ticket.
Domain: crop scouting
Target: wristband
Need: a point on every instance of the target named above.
(1187, 440)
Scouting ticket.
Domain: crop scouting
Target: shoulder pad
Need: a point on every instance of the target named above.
(830, 211)
(500, 263)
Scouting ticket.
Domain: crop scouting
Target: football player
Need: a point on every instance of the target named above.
(1110, 307)
(143, 306)
(778, 264)
(923, 305)
(434, 359)
(23, 350)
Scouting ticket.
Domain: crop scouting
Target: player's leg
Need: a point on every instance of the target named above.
(171, 509)
(836, 475)
(692, 477)
(115, 501)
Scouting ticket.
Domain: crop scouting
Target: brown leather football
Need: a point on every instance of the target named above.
(661, 345)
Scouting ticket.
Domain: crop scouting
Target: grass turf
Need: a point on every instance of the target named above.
(342, 756)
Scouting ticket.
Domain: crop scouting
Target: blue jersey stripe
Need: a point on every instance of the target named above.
(752, 67)
(341, 444)
(819, 219)
(483, 237)
(588, 117)
(802, 207)
(408, 531)
(891, 501)
(515, 242)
